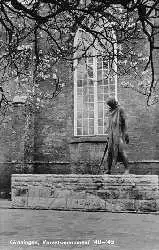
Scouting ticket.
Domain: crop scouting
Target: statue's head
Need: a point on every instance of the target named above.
(112, 103)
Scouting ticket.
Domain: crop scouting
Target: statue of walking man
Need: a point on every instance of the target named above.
(117, 136)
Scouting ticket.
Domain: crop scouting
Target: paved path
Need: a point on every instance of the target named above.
(117, 231)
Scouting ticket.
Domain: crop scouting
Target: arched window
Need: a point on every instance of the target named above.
(94, 82)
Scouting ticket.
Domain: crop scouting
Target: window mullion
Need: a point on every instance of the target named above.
(95, 96)
(75, 98)
(115, 69)
(103, 94)
(109, 75)
(82, 106)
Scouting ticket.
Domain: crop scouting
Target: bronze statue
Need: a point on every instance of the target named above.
(117, 136)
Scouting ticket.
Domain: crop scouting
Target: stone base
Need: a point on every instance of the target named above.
(115, 193)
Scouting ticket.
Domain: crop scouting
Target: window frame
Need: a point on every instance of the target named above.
(75, 64)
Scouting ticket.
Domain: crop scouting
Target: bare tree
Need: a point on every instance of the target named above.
(48, 28)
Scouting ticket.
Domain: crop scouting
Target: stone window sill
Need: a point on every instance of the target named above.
(88, 139)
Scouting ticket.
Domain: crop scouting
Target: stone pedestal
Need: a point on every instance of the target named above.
(122, 193)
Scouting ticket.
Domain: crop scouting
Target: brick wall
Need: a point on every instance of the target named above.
(143, 123)
(53, 128)
(12, 131)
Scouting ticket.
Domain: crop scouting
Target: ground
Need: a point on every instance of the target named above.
(117, 231)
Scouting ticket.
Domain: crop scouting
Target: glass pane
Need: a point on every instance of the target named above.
(106, 89)
(79, 83)
(111, 80)
(106, 122)
(106, 96)
(100, 89)
(99, 63)
(79, 105)
(86, 106)
(106, 73)
(85, 126)
(91, 114)
(100, 109)
(79, 75)
(91, 122)
(100, 83)
(106, 113)
(91, 90)
(85, 82)
(100, 97)
(100, 130)
(91, 130)
(112, 87)
(90, 72)
(90, 60)
(105, 63)
(79, 122)
(85, 122)
(79, 115)
(91, 98)
(81, 71)
(81, 62)
(90, 82)
(99, 75)
(85, 98)
(106, 81)
(79, 91)
(100, 122)
(91, 106)
(106, 125)
(79, 131)
(85, 113)
(85, 90)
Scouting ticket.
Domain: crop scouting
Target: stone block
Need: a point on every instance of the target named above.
(85, 201)
(20, 202)
(120, 205)
(146, 205)
(49, 203)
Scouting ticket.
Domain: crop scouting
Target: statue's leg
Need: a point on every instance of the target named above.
(124, 158)
(109, 162)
